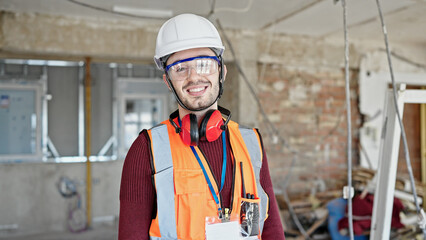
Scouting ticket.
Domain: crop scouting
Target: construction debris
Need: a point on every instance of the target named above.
(313, 214)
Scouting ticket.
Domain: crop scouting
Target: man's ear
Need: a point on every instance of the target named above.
(166, 82)
(224, 72)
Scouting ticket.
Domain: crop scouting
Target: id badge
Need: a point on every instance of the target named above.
(216, 229)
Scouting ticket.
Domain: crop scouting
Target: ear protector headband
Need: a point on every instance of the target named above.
(211, 126)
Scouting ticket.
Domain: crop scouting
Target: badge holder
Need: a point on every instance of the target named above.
(223, 227)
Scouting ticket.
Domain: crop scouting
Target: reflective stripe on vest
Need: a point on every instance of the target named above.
(252, 144)
(164, 182)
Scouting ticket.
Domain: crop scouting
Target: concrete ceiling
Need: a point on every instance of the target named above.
(405, 19)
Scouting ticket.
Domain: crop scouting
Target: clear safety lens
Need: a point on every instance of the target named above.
(203, 66)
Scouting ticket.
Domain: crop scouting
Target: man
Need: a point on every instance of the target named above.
(198, 169)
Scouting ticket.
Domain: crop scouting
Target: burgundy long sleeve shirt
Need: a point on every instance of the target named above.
(138, 198)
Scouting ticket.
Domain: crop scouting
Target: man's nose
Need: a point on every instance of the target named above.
(192, 74)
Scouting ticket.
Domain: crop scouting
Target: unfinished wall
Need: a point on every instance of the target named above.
(308, 109)
(300, 83)
(47, 35)
(230, 98)
(31, 201)
(302, 89)
(412, 130)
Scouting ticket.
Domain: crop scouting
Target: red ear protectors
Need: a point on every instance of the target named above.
(189, 130)
(211, 125)
(210, 128)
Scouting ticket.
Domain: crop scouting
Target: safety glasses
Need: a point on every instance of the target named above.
(203, 66)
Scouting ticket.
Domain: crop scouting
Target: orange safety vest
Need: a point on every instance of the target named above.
(183, 196)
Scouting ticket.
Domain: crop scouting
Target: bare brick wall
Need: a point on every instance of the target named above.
(411, 120)
(308, 108)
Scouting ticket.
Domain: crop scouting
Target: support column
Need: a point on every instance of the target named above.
(423, 145)
(88, 101)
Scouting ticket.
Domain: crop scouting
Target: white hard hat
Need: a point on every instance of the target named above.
(183, 32)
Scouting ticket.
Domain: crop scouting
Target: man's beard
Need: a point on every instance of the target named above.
(194, 104)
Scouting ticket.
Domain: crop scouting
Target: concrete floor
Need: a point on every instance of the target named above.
(98, 233)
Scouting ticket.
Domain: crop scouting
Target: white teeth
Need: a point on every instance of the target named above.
(196, 89)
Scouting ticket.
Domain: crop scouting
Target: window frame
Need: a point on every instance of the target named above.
(38, 86)
(124, 95)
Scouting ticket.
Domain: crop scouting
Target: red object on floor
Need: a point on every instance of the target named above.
(362, 210)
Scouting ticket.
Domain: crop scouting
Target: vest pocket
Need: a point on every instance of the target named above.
(190, 187)
(189, 181)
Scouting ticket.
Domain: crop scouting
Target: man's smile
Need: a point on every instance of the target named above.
(197, 90)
